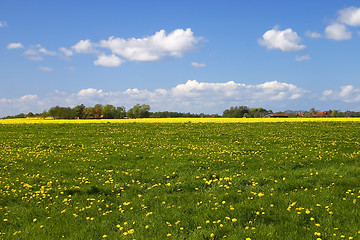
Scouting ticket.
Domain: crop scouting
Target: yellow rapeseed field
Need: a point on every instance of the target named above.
(176, 120)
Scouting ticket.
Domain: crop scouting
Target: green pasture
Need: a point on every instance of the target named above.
(286, 180)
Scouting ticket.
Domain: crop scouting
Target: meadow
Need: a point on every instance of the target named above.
(180, 179)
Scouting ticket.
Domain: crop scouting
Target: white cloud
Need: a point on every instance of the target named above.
(14, 45)
(36, 53)
(46, 69)
(347, 93)
(350, 16)
(108, 61)
(84, 46)
(3, 24)
(46, 52)
(313, 34)
(197, 96)
(337, 32)
(66, 52)
(24, 104)
(29, 97)
(192, 96)
(196, 64)
(153, 48)
(286, 40)
(302, 58)
(90, 92)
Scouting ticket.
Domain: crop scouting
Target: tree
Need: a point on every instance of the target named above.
(98, 110)
(120, 112)
(257, 112)
(79, 111)
(236, 112)
(139, 111)
(61, 112)
(109, 111)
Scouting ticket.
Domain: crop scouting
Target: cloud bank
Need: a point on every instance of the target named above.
(191, 96)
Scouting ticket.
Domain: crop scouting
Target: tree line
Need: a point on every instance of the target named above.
(143, 111)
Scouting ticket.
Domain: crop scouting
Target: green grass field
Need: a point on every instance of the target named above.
(286, 180)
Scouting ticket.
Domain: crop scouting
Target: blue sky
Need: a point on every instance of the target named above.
(187, 56)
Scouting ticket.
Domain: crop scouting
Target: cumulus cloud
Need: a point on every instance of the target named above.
(89, 92)
(302, 58)
(46, 69)
(46, 52)
(286, 40)
(36, 53)
(66, 52)
(350, 16)
(153, 48)
(196, 64)
(347, 93)
(337, 32)
(14, 45)
(156, 47)
(108, 61)
(85, 46)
